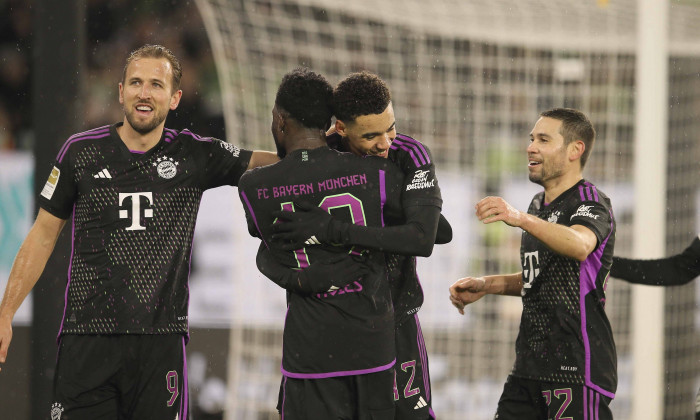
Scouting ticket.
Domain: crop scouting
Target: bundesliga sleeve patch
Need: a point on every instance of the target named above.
(50, 186)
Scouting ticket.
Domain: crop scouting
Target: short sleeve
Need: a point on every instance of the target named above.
(420, 184)
(595, 216)
(59, 193)
(224, 163)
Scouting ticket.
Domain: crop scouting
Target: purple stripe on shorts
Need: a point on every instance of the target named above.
(586, 408)
(284, 396)
(597, 405)
(63, 152)
(70, 267)
(184, 401)
(252, 214)
(423, 358)
(339, 373)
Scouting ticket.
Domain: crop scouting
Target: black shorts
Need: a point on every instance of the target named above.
(526, 399)
(412, 381)
(361, 397)
(120, 377)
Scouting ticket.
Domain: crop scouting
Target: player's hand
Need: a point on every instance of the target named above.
(306, 225)
(467, 290)
(5, 338)
(494, 209)
(330, 275)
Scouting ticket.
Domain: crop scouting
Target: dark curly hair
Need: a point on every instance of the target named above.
(307, 97)
(575, 125)
(360, 94)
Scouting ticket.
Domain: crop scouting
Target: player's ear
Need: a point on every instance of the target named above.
(121, 93)
(175, 99)
(576, 149)
(340, 127)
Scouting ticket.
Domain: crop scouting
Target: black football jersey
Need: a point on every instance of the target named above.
(133, 219)
(420, 188)
(348, 331)
(565, 335)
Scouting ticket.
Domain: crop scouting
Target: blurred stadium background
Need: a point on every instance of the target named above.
(468, 78)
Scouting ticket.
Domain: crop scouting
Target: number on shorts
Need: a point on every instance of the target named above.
(558, 393)
(171, 383)
(407, 391)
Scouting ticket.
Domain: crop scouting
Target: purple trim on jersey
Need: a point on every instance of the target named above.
(382, 193)
(138, 152)
(184, 401)
(70, 267)
(88, 132)
(431, 413)
(187, 286)
(590, 190)
(339, 373)
(196, 136)
(594, 190)
(414, 149)
(170, 135)
(417, 146)
(96, 133)
(423, 358)
(589, 271)
(252, 214)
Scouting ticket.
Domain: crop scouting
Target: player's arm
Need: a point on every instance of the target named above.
(262, 158)
(319, 277)
(576, 241)
(312, 225)
(470, 289)
(444, 231)
(26, 269)
(670, 271)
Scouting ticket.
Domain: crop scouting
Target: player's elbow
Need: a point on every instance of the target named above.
(581, 253)
(423, 249)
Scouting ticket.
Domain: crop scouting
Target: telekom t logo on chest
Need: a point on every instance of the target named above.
(135, 209)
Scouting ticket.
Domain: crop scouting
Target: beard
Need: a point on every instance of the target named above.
(144, 127)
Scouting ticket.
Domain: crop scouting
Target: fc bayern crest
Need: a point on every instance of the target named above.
(167, 167)
(56, 411)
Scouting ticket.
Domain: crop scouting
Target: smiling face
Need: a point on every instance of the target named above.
(146, 94)
(370, 134)
(547, 154)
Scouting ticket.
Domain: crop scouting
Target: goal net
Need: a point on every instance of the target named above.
(468, 78)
